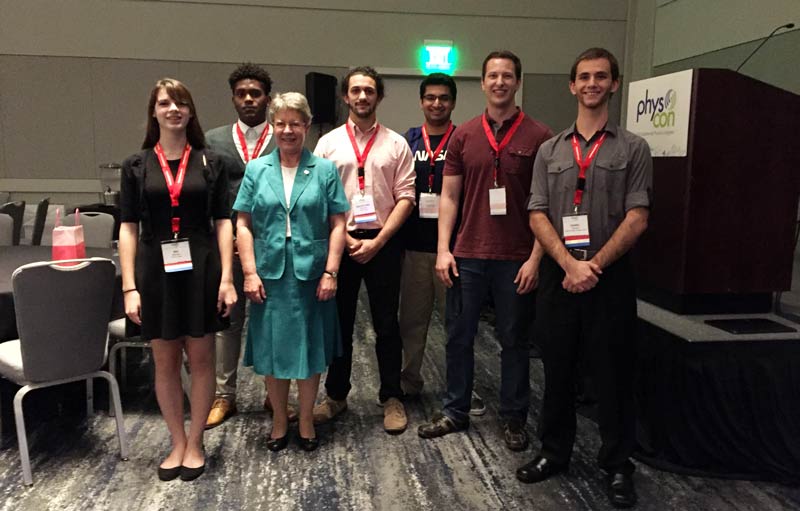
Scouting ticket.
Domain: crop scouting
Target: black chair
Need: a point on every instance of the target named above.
(38, 222)
(16, 210)
(62, 318)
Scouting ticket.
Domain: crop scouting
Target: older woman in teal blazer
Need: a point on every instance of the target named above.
(290, 236)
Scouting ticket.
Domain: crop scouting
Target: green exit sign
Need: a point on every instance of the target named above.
(437, 56)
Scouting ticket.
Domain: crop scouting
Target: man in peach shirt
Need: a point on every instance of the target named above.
(377, 169)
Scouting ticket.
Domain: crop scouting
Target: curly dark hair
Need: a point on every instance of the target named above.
(365, 71)
(250, 71)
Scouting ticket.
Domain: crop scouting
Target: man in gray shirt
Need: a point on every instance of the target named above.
(590, 199)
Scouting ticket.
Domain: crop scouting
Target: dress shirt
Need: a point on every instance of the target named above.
(251, 134)
(388, 173)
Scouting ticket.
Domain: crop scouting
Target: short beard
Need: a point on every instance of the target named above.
(365, 115)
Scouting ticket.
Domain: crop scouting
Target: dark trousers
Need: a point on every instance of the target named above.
(478, 277)
(382, 278)
(598, 326)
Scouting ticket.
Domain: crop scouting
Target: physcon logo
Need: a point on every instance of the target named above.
(661, 109)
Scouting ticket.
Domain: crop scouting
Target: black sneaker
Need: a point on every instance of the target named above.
(440, 425)
(515, 435)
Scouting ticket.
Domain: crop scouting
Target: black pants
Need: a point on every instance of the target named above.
(382, 278)
(598, 326)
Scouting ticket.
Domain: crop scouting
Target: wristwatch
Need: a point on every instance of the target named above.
(333, 274)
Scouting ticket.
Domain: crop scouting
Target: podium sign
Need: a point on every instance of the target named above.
(658, 111)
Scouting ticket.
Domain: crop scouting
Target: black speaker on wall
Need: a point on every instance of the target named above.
(321, 94)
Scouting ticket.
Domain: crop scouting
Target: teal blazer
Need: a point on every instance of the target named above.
(317, 194)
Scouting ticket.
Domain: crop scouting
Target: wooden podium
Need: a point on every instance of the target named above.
(722, 224)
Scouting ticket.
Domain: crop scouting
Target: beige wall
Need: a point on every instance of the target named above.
(74, 75)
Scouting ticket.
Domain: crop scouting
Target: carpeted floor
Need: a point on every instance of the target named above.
(358, 467)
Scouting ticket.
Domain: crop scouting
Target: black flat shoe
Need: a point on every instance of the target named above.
(538, 470)
(168, 474)
(190, 474)
(278, 444)
(308, 444)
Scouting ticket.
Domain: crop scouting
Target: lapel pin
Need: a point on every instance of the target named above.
(306, 172)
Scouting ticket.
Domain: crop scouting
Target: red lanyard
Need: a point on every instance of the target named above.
(583, 165)
(174, 186)
(259, 143)
(361, 157)
(432, 155)
(493, 141)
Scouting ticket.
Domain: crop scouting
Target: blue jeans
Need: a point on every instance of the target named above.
(477, 278)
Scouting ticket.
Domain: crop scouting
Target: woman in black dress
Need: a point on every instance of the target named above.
(176, 272)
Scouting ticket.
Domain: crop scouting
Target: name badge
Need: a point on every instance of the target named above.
(364, 209)
(177, 255)
(429, 205)
(497, 201)
(576, 230)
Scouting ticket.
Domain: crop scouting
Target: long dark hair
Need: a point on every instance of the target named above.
(180, 94)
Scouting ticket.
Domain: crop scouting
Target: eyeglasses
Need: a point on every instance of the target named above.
(281, 126)
(430, 98)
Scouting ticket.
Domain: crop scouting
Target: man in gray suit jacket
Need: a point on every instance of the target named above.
(246, 139)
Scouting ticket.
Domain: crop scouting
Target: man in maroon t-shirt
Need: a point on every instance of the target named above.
(489, 163)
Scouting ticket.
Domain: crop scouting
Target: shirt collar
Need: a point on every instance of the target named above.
(357, 130)
(507, 122)
(610, 128)
(259, 127)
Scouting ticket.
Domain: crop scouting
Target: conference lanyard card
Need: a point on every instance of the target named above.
(576, 230)
(497, 201)
(364, 209)
(429, 205)
(177, 255)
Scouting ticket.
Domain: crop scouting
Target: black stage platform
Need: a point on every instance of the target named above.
(715, 403)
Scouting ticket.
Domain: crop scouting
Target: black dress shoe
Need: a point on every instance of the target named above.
(190, 474)
(278, 444)
(168, 474)
(620, 490)
(308, 444)
(538, 470)
(439, 426)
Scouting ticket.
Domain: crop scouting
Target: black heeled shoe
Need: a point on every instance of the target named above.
(308, 444)
(278, 444)
(168, 474)
(190, 474)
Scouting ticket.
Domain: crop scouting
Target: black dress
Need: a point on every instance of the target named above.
(181, 303)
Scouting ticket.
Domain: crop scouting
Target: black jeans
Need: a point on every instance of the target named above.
(599, 324)
(382, 278)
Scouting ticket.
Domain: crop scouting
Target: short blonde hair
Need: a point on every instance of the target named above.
(290, 101)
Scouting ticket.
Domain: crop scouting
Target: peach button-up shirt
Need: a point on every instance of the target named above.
(388, 173)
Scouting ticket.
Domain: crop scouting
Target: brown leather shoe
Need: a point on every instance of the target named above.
(394, 416)
(291, 410)
(328, 409)
(220, 411)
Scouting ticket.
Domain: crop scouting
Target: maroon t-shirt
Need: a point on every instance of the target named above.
(469, 154)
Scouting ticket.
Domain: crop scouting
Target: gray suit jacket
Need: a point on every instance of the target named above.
(220, 140)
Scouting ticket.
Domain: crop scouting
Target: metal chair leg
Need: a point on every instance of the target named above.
(112, 368)
(89, 397)
(22, 437)
(116, 404)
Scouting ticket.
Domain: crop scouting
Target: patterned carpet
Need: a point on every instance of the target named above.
(76, 462)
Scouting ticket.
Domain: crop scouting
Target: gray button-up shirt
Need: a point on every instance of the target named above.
(619, 178)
